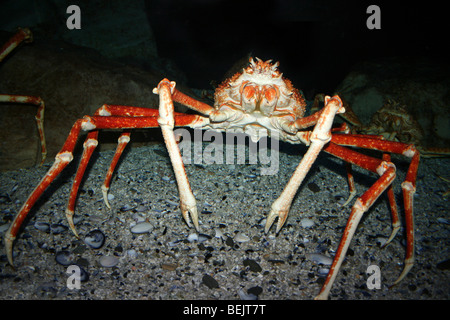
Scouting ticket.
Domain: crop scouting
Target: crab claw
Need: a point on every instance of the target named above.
(282, 216)
(189, 213)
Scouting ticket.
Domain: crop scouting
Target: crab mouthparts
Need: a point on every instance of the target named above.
(261, 99)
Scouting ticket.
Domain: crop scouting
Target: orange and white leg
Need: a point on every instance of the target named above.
(386, 170)
(65, 156)
(408, 186)
(188, 204)
(319, 137)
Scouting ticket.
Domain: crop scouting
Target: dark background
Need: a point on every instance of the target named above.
(316, 42)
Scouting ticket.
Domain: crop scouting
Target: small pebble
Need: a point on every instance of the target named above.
(108, 261)
(95, 239)
(255, 290)
(323, 272)
(219, 234)
(142, 227)
(229, 242)
(313, 187)
(174, 243)
(203, 237)
(240, 237)
(245, 296)
(42, 226)
(126, 208)
(381, 241)
(64, 258)
(84, 276)
(210, 282)
(192, 237)
(173, 203)
(132, 253)
(169, 266)
(253, 265)
(138, 217)
(57, 228)
(443, 220)
(319, 258)
(306, 223)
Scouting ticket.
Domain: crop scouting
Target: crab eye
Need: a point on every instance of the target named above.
(269, 98)
(249, 96)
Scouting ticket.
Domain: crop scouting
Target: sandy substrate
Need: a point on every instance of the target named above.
(164, 264)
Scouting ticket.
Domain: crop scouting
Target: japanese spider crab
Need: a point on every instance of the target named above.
(256, 97)
(25, 35)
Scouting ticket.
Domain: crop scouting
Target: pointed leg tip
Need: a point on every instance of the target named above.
(191, 214)
(105, 196)
(69, 216)
(9, 251)
(406, 269)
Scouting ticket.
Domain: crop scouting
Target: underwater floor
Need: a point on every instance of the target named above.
(169, 262)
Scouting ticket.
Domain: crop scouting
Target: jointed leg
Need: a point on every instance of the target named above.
(102, 121)
(319, 137)
(387, 171)
(408, 186)
(23, 34)
(39, 116)
(166, 121)
(122, 143)
(362, 204)
(91, 143)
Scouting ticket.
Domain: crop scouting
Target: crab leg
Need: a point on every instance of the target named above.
(64, 157)
(21, 35)
(408, 186)
(37, 101)
(319, 137)
(166, 121)
(387, 174)
(91, 143)
(387, 171)
(122, 143)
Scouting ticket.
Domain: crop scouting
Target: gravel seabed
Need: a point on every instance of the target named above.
(235, 198)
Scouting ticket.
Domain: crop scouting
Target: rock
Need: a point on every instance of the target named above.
(319, 258)
(306, 223)
(95, 239)
(108, 261)
(253, 265)
(42, 226)
(210, 282)
(64, 258)
(240, 237)
(57, 228)
(422, 85)
(142, 227)
(73, 81)
(313, 187)
(169, 266)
